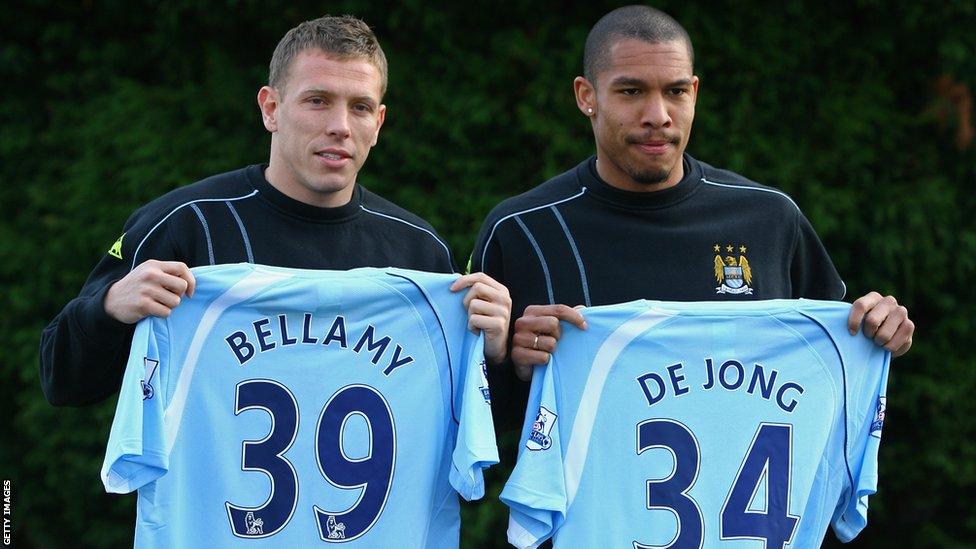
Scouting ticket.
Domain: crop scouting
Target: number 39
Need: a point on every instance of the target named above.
(372, 474)
(769, 456)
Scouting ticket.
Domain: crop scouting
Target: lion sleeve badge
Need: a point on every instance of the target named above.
(540, 437)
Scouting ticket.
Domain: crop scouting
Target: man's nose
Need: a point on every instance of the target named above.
(655, 113)
(337, 122)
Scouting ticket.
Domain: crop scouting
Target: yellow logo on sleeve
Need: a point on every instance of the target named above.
(116, 249)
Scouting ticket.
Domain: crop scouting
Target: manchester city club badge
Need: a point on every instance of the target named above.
(734, 276)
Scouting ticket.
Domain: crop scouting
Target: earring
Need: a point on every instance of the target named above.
(589, 110)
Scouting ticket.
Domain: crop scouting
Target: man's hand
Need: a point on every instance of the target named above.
(154, 288)
(489, 310)
(885, 321)
(536, 334)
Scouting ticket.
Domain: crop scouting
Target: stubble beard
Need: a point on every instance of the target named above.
(652, 176)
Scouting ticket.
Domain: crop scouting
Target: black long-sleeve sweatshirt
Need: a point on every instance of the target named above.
(228, 218)
(716, 235)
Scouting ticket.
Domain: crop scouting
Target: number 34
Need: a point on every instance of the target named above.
(769, 456)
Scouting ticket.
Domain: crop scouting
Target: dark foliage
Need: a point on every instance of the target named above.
(857, 109)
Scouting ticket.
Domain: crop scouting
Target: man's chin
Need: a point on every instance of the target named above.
(650, 176)
(328, 185)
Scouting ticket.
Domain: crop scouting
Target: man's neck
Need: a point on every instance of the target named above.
(288, 186)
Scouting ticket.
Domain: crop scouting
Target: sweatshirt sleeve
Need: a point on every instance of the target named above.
(83, 350)
(812, 273)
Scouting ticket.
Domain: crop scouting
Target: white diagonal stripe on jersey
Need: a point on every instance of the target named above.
(135, 254)
(243, 290)
(579, 440)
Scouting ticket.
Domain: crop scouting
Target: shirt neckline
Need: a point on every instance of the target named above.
(288, 205)
(632, 200)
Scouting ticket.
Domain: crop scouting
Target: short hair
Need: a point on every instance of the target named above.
(345, 37)
(637, 22)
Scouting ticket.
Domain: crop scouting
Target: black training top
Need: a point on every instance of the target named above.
(716, 235)
(229, 218)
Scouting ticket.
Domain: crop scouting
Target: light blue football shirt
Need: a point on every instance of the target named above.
(290, 408)
(696, 424)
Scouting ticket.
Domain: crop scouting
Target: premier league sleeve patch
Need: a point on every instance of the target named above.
(539, 438)
(485, 391)
(879, 417)
(147, 388)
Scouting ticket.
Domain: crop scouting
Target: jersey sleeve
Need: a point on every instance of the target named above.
(812, 273)
(83, 349)
(867, 380)
(475, 448)
(536, 491)
(136, 453)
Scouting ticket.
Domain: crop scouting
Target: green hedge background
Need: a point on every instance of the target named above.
(861, 110)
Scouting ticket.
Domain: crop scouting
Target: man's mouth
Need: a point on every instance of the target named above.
(334, 158)
(333, 154)
(653, 145)
(653, 140)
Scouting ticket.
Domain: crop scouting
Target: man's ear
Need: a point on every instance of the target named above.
(268, 103)
(380, 118)
(585, 96)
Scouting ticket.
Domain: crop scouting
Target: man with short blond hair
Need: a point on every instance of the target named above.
(303, 209)
(345, 37)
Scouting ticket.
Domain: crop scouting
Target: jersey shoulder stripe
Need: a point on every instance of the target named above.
(561, 189)
(376, 205)
(730, 180)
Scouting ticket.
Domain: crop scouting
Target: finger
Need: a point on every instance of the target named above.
(191, 283)
(173, 283)
(479, 290)
(891, 324)
(164, 297)
(523, 357)
(180, 269)
(468, 280)
(903, 349)
(877, 316)
(548, 325)
(562, 312)
(485, 292)
(529, 341)
(157, 309)
(463, 281)
(860, 308)
(487, 308)
(546, 343)
(489, 324)
(902, 340)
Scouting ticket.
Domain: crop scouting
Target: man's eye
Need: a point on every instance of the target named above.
(630, 91)
(363, 107)
(677, 91)
(317, 101)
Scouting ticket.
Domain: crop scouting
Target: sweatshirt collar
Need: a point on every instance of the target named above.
(281, 201)
(632, 200)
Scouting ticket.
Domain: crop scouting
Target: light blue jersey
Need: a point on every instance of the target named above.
(692, 425)
(290, 408)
